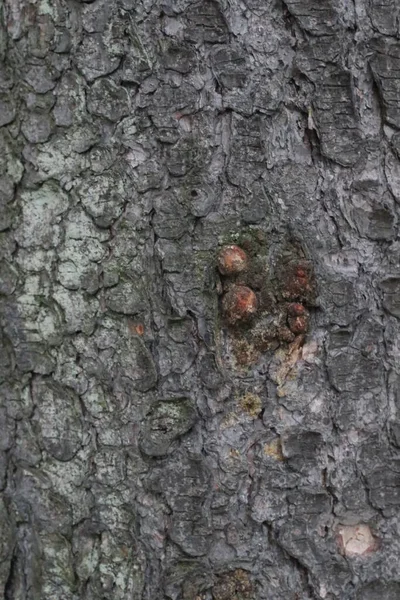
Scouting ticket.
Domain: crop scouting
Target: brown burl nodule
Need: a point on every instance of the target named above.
(298, 318)
(239, 304)
(232, 260)
(298, 281)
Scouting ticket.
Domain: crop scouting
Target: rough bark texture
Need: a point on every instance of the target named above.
(151, 448)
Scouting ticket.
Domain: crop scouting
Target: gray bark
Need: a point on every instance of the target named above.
(151, 446)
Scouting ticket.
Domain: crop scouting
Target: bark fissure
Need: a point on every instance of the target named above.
(172, 426)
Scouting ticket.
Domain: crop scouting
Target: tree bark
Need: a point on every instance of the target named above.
(179, 423)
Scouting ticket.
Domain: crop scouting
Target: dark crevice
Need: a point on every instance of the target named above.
(12, 579)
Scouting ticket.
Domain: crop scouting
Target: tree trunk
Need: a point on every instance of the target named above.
(200, 294)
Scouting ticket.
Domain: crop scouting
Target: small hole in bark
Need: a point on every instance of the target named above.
(193, 193)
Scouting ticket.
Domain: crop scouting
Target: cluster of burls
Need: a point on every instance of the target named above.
(241, 304)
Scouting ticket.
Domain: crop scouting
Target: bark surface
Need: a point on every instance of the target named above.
(154, 445)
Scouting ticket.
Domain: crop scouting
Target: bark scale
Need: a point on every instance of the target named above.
(153, 446)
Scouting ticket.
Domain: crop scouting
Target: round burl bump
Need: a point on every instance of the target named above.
(298, 318)
(232, 260)
(239, 304)
(296, 309)
(298, 282)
